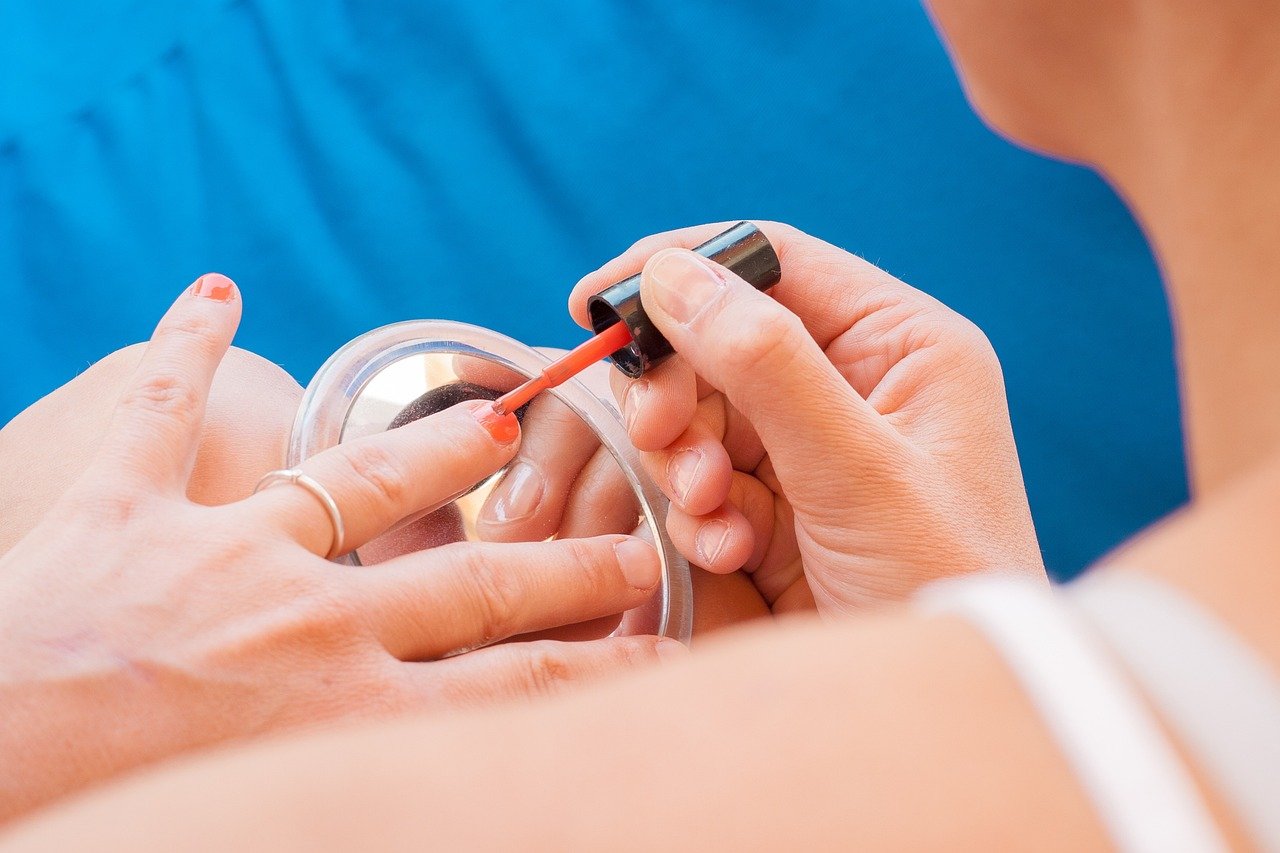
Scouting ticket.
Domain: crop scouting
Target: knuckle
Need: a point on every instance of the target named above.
(832, 268)
(972, 346)
(333, 604)
(496, 595)
(379, 472)
(593, 564)
(770, 339)
(192, 331)
(547, 671)
(164, 393)
(634, 652)
(336, 622)
(113, 508)
(460, 693)
(648, 245)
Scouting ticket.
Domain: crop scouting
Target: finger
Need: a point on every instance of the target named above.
(823, 284)
(721, 601)
(488, 374)
(720, 541)
(467, 595)
(601, 501)
(867, 320)
(528, 503)
(541, 668)
(658, 406)
(671, 408)
(155, 430)
(442, 527)
(775, 564)
(382, 479)
(772, 371)
(632, 261)
(694, 471)
(760, 534)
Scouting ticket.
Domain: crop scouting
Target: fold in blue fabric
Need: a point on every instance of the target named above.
(352, 164)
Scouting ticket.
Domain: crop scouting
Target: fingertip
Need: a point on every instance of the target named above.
(215, 287)
(502, 427)
(638, 561)
(678, 287)
(720, 542)
(699, 475)
(658, 408)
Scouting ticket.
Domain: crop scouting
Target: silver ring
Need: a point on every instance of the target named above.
(297, 478)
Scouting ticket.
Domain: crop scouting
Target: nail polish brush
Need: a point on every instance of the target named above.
(624, 333)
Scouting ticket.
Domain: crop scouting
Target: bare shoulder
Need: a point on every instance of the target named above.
(894, 731)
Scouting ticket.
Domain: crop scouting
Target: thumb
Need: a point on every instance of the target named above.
(771, 369)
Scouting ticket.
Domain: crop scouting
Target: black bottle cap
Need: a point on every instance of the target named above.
(743, 249)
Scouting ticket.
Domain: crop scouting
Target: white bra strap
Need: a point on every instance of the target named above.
(1138, 787)
(1215, 692)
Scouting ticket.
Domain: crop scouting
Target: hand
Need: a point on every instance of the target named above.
(138, 624)
(564, 483)
(843, 439)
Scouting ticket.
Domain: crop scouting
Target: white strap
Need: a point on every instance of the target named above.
(1140, 790)
(1217, 693)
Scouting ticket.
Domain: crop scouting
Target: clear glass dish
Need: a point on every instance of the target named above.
(587, 466)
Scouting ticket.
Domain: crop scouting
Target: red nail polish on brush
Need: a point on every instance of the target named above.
(577, 360)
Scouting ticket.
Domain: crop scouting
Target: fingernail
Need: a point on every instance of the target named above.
(215, 286)
(672, 651)
(519, 493)
(503, 429)
(683, 284)
(682, 472)
(632, 399)
(710, 540)
(638, 562)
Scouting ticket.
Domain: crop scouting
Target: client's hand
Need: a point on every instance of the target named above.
(564, 483)
(844, 439)
(138, 625)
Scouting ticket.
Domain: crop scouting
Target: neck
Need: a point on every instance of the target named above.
(1202, 171)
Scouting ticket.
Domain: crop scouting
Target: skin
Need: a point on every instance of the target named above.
(892, 730)
(244, 628)
(49, 445)
(1174, 104)
(869, 364)
(568, 485)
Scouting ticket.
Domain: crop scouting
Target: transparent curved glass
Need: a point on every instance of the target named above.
(588, 477)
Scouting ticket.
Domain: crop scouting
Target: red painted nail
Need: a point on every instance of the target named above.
(504, 428)
(215, 286)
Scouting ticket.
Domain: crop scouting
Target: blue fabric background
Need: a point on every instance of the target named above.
(355, 163)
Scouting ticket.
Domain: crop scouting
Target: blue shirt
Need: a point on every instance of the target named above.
(353, 164)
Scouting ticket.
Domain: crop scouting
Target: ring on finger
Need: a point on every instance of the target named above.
(296, 477)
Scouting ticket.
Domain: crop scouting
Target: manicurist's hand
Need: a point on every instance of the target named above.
(137, 625)
(843, 439)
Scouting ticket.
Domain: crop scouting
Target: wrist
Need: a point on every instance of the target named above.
(67, 730)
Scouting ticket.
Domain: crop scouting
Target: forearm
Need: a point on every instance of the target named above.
(788, 737)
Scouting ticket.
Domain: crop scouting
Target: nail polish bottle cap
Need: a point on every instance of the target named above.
(743, 249)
